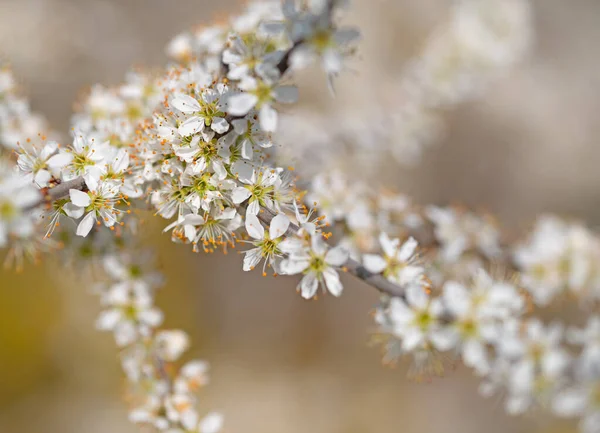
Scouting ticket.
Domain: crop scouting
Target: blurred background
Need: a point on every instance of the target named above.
(281, 364)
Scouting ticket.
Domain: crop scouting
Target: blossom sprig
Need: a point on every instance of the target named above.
(162, 398)
(192, 142)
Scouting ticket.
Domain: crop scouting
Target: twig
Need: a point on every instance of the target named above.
(59, 191)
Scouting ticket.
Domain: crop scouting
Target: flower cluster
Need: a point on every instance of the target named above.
(200, 144)
(161, 400)
(560, 257)
(463, 58)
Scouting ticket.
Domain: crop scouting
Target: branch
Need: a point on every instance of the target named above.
(59, 191)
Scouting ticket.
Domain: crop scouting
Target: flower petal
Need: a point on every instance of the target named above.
(254, 227)
(332, 281)
(278, 226)
(241, 104)
(185, 103)
(374, 263)
(336, 256)
(86, 224)
(79, 198)
(268, 118)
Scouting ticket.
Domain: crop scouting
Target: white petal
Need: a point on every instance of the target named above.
(240, 194)
(332, 281)
(240, 104)
(570, 403)
(389, 246)
(108, 319)
(73, 211)
(411, 338)
(336, 256)
(60, 160)
(79, 198)
(407, 249)
(189, 419)
(251, 259)
(475, 355)
(121, 161)
(191, 126)
(417, 297)
(254, 227)
(42, 178)
(253, 208)
(443, 339)
(219, 125)
(456, 297)
(293, 266)
(86, 224)
(279, 226)
(374, 263)
(185, 103)
(268, 118)
(211, 423)
(309, 285)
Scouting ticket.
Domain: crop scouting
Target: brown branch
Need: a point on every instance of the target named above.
(59, 191)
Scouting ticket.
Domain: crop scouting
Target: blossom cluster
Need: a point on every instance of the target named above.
(201, 144)
(160, 398)
(460, 60)
(465, 294)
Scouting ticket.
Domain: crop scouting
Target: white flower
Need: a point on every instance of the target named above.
(170, 345)
(266, 243)
(249, 136)
(130, 315)
(98, 202)
(17, 194)
(180, 409)
(399, 262)
(180, 47)
(581, 401)
(539, 362)
(416, 320)
(191, 377)
(201, 155)
(459, 232)
(243, 58)
(259, 189)
(476, 313)
(136, 270)
(559, 256)
(589, 339)
(318, 264)
(261, 93)
(86, 157)
(41, 166)
(331, 45)
(209, 111)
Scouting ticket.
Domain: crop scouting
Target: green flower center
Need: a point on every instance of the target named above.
(424, 320)
(8, 210)
(81, 161)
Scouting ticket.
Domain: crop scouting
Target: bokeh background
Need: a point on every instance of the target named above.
(281, 364)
